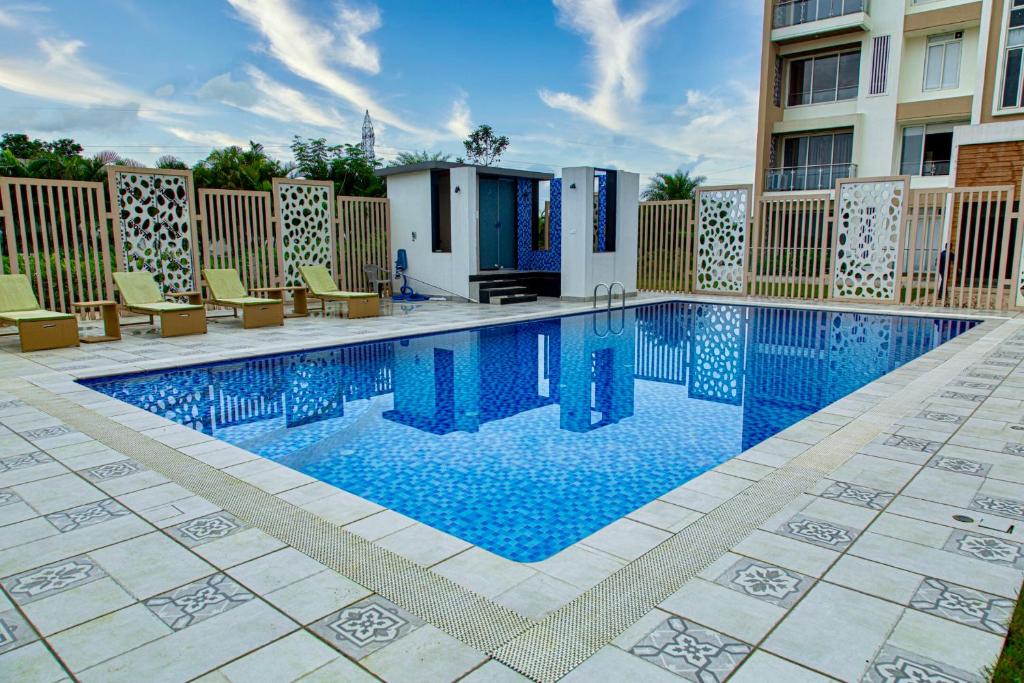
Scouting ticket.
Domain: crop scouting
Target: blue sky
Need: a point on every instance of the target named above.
(643, 86)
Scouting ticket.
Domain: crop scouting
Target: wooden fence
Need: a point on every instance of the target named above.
(958, 247)
(62, 235)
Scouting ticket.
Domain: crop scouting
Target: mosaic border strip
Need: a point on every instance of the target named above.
(547, 650)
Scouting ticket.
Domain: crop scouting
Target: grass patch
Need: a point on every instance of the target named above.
(1010, 667)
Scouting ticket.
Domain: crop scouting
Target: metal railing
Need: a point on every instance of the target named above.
(793, 12)
(822, 177)
(928, 168)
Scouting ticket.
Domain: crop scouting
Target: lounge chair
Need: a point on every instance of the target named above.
(226, 289)
(38, 328)
(323, 287)
(141, 294)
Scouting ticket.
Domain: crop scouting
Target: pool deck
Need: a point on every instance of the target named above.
(880, 539)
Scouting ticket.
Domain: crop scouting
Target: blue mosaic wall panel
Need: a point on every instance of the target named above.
(529, 259)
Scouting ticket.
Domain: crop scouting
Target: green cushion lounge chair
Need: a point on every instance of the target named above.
(323, 287)
(141, 294)
(38, 329)
(226, 289)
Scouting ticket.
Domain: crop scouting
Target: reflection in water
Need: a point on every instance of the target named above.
(525, 438)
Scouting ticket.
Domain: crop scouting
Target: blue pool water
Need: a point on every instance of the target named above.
(526, 438)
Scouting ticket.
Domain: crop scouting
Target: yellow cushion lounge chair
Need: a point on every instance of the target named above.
(141, 294)
(38, 329)
(323, 287)
(226, 289)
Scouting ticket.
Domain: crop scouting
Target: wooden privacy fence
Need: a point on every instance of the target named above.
(58, 234)
(68, 239)
(956, 247)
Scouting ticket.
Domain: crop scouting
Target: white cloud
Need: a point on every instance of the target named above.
(264, 96)
(353, 23)
(459, 122)
(616, 42)
(165, 90)
(309, 50)
(61, 75)
(211, 138)
(7, 19)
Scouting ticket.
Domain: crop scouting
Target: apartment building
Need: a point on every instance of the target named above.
(932, 89)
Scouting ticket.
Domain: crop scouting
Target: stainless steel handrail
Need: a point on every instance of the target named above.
(598, 286)
(611, 289)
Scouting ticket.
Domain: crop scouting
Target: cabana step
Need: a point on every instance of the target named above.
(513, 299)
(489, 293)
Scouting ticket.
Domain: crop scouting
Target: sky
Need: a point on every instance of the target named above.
(648, 87)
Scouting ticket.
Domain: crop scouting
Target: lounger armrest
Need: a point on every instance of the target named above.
(194, 297)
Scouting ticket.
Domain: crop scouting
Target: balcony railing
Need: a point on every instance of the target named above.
(791, 13)
(928, 168)
(807, 177)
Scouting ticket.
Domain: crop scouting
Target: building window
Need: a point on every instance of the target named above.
(879, 65)
(942, 61)
(1013, 56)
(440, 212)
(813, 162)
(824, 78)
(927, 150)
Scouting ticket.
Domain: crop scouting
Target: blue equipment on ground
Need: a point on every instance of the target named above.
(406, 293)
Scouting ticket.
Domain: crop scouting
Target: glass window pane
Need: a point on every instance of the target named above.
(800, 82)
(912, 150)
(951, 66)
(795, 152)
(849, 76)
(933, 67)
(1015, 38)
(1011, 84)
(826, 70)
(938, 146)
(843, 150)
(819, 152)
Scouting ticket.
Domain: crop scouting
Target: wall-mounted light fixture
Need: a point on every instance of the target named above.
(458, 189)
(414, 236)
(572, 186)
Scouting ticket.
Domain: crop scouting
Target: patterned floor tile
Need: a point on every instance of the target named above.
(937, 416)
(15, 631)
(818, 531)
(87, 515)
(207, 528)
(1014, 448)
(966, 605)
(113, 470)
(974, 398)
(47, 432)
(198, 601)
(692, 651)
(971, 384)
(1004, 507)
(855, 494)
(8, 497)
(18, 462)
(960, 465)
(366, 626)
(42, 582)
(986, 548)
(912, 444)
(893, 665)
(782, 587)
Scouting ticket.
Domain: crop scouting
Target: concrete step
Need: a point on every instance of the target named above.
(513, 299)
(492, 292)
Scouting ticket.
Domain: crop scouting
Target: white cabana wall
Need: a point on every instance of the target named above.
(582, 267)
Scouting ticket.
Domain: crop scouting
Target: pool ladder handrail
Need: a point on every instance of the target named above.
(610, 289)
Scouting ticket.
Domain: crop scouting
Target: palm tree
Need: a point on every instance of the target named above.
(669, 186)
(406, 158)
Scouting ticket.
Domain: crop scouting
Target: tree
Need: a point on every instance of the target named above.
(19, 145)
(234, 168)
(669, 186)
(346, 165)
(64, 147)
(484, 147)
(171, 162)
(406, 158)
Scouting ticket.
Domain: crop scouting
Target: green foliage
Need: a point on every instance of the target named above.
(672, 186)
(406, 158)
(21, 146)
(346, 165)
(171, 162)
(484, 147)
(234, 168)
(1010, 667)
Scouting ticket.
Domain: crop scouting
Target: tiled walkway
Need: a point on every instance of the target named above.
(901, 561)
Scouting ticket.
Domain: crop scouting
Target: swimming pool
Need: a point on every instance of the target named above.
(526, 438)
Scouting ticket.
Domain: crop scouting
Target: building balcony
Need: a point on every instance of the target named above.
(797, 178)
(799, 19)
